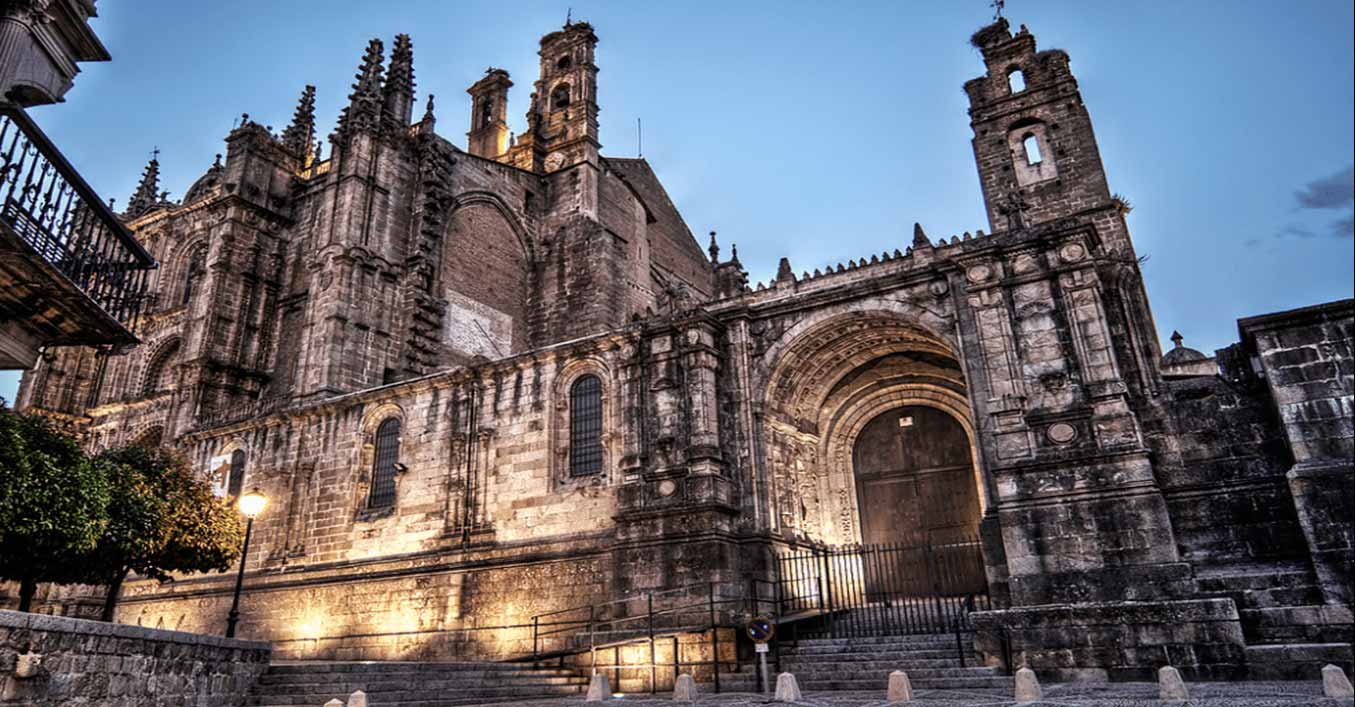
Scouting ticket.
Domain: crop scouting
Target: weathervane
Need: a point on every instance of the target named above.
(997, 9)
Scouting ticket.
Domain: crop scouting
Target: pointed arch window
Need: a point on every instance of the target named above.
(385, 463)
(235, 483)
(585, 426)
(160, 369)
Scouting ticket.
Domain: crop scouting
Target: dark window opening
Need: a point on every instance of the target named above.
(585, 426)
(486, 114)
(236, 481)
(559, 98)
(387, 456)
(160, 370)
(196, 268)
(564, 63)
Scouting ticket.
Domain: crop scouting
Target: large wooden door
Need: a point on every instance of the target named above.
(915, 479)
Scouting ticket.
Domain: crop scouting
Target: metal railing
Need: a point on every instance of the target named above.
(888, 589)
(47, 203)
(608, 626)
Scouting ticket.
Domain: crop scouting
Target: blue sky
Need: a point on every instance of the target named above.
(813, 130)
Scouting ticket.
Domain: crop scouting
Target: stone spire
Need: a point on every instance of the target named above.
(920, 238)
(714, 250)
(297, 137)
(398, 94)
(147, 193)
(363, 112)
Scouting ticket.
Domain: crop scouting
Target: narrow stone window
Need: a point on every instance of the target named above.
(196, 268)
(559, 98)
(384, 464)
(236, 481)
(1016, 81)
(585, 426)
(1032, 145)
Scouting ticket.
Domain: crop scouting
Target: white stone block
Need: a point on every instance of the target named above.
(787, 689)
(599, 688)
(900, 689)
(684, 689)
(1170, 686)
(336, 702)
(1027, 686)
(1335, 683)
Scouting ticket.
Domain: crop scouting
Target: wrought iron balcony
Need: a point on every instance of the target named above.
(72, 273)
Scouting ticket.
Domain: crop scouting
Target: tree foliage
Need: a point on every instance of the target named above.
(162, 520)
(53, 503)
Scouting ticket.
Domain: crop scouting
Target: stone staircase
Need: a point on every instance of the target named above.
(1290, 633)
(931, 662)
(408, 684)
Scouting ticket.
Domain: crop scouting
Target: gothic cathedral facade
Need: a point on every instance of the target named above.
(484, 384)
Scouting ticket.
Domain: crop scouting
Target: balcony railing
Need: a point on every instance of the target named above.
(47, 203)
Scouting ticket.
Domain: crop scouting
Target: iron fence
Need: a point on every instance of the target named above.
(889, 589)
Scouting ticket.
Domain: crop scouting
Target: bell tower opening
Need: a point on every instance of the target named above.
(915, 480)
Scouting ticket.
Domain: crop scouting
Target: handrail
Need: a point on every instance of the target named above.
(77, 182)
(49, 206)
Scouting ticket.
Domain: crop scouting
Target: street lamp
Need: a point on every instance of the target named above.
(251, 504)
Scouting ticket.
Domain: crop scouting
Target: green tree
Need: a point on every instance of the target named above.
(162, 520)
(53, 503)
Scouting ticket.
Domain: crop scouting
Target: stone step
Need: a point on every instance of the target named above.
(478, 677)
(1260, 585)
(386, 685)
(383, 699)
(873, 655)
(899, 663)
(1295, 661)
(882, 672)
(879, 683)
(897, 639)
(378, 666)
(1321, 623)
(390, 683)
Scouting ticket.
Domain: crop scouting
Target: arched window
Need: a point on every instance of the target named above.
(384, 463)
(1016, 81)
(160, 369)
(559, 98)
(564, 63)
(486, 113)
(235, 483)
(585, 426)
(1031, 143)
(197, 266)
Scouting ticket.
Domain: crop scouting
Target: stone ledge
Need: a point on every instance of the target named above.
(86, 627)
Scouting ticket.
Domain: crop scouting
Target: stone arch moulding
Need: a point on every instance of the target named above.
(558, 437)
(811, 356)
(366, 457)
(472, 198)
(841, 515)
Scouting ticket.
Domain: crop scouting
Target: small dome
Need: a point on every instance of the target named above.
(1181, 354)
(205, 184)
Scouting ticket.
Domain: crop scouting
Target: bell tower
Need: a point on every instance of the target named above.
(1033, 141)
(488, 136)
(563, 121)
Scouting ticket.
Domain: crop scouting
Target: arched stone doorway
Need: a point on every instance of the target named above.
(915, 481)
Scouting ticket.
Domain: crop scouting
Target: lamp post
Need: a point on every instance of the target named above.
(251, 504)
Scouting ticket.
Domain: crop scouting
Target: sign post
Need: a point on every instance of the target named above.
(761, 630)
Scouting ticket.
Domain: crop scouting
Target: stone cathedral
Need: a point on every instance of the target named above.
(481, 384)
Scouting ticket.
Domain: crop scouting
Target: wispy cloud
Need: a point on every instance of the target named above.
(1333, 192)
(1336, 191)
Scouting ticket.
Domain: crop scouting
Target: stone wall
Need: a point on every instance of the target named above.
(60, 661)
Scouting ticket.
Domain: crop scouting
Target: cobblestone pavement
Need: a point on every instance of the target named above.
(1235, 694)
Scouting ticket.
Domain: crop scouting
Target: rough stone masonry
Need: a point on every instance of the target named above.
(484, 384)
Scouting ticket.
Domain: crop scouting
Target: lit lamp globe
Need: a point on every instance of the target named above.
(252, 503)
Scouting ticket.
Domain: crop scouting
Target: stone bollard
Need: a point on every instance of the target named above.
(684, 689)
(787, 689)
(599, 688)
(1170, 686)
(334, 703)
(900, 689)
(357, 699)
(1027, 686)
(1335, 683)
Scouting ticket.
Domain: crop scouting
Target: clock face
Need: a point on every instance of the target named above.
(554, 160)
